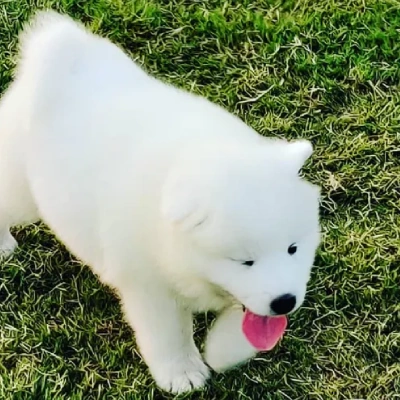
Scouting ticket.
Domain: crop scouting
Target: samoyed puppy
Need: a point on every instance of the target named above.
(174, 202)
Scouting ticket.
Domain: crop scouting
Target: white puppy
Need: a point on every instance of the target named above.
(171, 200)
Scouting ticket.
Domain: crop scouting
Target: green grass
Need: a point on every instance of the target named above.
(324, 70)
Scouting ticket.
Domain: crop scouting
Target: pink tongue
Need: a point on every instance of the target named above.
(263, 332)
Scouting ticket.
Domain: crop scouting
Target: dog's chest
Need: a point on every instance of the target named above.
(201, 296)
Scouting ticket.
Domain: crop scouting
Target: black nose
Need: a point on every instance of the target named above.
(283, 304)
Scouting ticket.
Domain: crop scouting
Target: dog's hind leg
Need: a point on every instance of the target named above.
(17, 206)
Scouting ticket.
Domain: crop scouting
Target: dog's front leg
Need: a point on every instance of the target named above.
(226, 345)
(164, 333)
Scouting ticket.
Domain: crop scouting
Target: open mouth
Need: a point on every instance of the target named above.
(263, 332)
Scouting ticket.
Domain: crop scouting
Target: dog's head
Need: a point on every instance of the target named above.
(244, 220)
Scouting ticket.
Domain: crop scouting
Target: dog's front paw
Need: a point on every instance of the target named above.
(226, 346)
(182, 374)
(7, 245)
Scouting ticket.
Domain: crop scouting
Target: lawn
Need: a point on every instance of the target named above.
(324, 70)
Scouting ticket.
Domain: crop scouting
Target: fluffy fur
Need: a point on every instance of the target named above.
(161, 192)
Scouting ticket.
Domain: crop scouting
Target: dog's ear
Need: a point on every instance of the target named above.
(298, 153)
(181, 202)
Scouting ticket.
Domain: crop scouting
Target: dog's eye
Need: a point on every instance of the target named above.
(248, 263)
(292, 249)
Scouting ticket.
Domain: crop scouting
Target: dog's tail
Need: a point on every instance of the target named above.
(50, 37)
(51, 46)
(45, 23)
(60, 59)
(57, 53)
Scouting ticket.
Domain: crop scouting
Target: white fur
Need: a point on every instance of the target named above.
(161, 192)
